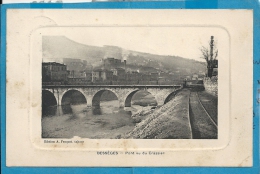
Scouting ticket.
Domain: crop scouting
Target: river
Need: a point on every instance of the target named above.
(108, 121)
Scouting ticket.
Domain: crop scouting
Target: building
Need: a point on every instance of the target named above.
(215, 72)
(96, 75)
(119, 74)
(76, 67)
(54, 72)
(102, 75)
(88, 76)
(133, 76)
(112, 62)
(106, 75)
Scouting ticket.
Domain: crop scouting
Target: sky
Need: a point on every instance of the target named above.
(176, 41)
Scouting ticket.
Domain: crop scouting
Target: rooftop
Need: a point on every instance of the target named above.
(52, 63)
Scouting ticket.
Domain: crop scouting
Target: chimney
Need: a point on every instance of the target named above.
(125, 64)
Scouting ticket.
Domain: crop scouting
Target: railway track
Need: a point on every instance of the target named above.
(203, 126)
(213, 121)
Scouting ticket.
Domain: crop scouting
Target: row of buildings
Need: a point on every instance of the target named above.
(119, 74)
(57, 72)
(195, 76)
(110, 71)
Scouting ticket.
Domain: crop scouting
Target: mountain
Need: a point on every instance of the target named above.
(59, 47)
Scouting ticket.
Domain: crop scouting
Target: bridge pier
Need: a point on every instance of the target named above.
(121, 103)
(89, 101)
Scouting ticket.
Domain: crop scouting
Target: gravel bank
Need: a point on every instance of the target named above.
(170, 121)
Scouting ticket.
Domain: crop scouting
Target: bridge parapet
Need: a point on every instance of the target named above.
(123, 93)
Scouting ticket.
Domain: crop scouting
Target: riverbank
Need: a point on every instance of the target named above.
(170, 121)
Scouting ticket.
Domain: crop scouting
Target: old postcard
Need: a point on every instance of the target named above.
(129, 87)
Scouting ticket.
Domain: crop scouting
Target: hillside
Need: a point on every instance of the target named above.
(58, 47)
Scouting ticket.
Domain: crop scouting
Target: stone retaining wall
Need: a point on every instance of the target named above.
(211, 85)
(170, 121)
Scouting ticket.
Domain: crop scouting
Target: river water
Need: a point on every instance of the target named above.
(108, 121)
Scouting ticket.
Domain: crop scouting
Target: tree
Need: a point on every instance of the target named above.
(210, 55)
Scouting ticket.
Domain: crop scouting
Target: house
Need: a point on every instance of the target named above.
(54, 72)
(88, 76)
(102, 75)
(111, 62)
(96, 75)
(119, 74)
(106, 75)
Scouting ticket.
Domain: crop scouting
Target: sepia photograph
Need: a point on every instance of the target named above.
(130, 83)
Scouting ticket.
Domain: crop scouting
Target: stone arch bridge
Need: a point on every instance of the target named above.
(124, 93)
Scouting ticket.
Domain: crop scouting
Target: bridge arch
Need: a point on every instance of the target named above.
(48, 99)
(97, 96)
(74, 96)
(169, 96)
(129, 96)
